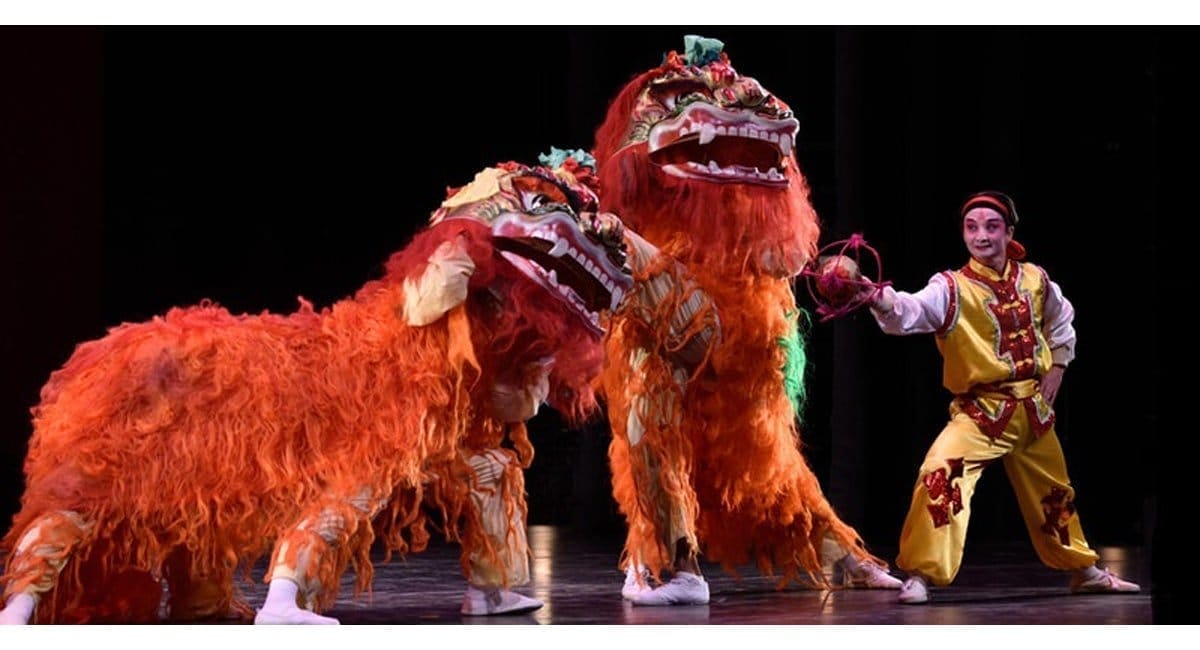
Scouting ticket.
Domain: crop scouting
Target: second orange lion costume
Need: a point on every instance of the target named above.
(706, 452)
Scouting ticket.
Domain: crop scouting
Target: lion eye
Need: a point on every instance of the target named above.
(534, 201)
(540, 203)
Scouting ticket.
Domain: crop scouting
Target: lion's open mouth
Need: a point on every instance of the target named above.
(557, 255)
(724, 146)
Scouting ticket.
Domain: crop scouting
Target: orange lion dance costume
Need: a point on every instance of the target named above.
(699, 160)
(176, 451)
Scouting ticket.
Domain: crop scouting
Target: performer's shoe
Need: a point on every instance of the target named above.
(491, 602)
(866, 575)
(1094, 580)
(683, 589)
(292, 616)
(914, 591)
(18, 611)
(280, 608)
(634, 587)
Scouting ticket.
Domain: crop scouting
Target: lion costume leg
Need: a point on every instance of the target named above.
(39, 556)
(651, 462)
(842, 566)
(497, 498)
(309, 559)
(197, 596)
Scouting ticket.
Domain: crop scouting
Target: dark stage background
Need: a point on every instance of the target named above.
(142, 168)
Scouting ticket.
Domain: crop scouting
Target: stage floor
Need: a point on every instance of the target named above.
(578, 580)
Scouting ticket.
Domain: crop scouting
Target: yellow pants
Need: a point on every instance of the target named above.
(935, 529)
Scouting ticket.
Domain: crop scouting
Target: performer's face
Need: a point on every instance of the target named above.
(986, 235)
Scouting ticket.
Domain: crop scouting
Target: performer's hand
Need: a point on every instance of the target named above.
(875, 298)
(1050, 383)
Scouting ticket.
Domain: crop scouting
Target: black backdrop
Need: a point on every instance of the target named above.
(142, 168)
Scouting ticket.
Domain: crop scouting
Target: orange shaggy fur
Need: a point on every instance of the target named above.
(192, 441)
(731, 451)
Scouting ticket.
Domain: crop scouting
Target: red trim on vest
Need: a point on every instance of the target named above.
(1014, 316)
(951, 305)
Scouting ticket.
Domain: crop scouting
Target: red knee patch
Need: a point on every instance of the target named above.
(1058, 510)
(946, 497)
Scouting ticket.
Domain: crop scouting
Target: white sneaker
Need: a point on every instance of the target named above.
(478, 602)
(1094, 580)
(683, 589)
(914, 591)
(634, 587)
(867, 575)
(291, 616)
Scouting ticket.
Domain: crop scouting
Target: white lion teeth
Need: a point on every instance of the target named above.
(707, 133)
(785, 144)
(559, 249)
(617, 296)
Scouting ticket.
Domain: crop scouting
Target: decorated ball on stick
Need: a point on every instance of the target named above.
(836, 279)
(839, 279)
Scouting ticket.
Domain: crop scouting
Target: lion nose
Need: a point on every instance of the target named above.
(751, 93)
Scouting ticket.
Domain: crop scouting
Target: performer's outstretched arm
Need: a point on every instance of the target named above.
(900, 312)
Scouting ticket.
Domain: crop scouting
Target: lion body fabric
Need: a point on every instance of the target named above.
(185, 446)
(719, 463)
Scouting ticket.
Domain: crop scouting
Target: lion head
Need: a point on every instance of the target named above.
(537, 265)
(701, 161)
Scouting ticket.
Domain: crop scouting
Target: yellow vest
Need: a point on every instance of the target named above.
(993, 326)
